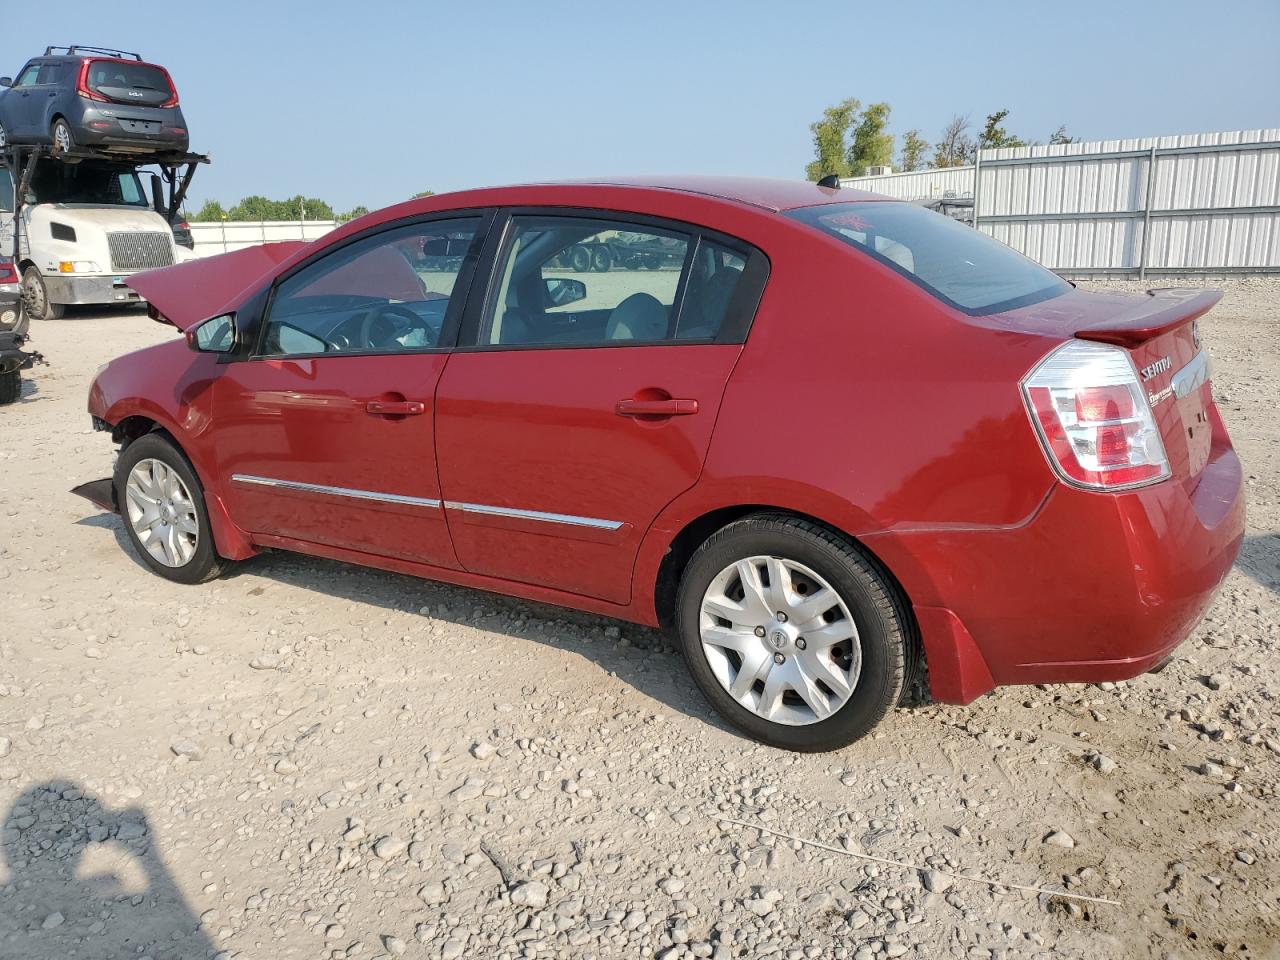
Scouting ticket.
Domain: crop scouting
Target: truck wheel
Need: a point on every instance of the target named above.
(36, 297)
(652, 261)
(162, 505)
(580, 259)
(601, 259)
(63, 141)
(10, 386)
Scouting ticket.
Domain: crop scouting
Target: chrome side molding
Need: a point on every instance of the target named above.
(479, 508)
(347, 492)
(564, 518)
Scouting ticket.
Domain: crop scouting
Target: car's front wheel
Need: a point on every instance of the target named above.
(792, 634)
(162, 504)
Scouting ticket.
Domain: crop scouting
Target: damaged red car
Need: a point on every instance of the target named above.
(842, 446)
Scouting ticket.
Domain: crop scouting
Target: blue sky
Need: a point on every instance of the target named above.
(370, 102)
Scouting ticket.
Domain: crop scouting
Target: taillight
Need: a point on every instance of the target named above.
(173, 91)
(82, 84)
(1093, 417)
(8, 273)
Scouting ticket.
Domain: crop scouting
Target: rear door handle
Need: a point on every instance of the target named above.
(395, 408)
(656, 408)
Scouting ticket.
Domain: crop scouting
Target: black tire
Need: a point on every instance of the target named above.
(580, 259)
(61, 129)
(35, 297)
(601, 259)
(874, 604)
(10, 386)
(205, 564)
(652, 261)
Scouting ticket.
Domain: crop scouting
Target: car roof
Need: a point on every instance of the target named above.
(770, 194)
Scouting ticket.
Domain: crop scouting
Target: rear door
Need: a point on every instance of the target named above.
(579, 404)
(325, 436)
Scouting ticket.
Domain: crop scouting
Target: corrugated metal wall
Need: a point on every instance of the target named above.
(222, 237)
(1200, 203)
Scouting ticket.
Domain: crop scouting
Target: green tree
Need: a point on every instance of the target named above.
(211, 211)
(914, 149)
(424, 193)
(994, 135)
(830, 140)
(354, 212)
(871, 146)
(1061, 136)
(954, 147)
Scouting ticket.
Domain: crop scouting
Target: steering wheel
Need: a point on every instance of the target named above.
(383, 313)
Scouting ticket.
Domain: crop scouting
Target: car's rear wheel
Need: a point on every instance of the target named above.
(792, 634)
(165, 517)
(36, 297)
(63, 141)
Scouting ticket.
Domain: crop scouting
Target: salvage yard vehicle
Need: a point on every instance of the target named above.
(94, 97)
(83, 228)
(850, 447)
(13, 334)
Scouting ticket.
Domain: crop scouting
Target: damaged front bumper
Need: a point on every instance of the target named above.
(101, 493)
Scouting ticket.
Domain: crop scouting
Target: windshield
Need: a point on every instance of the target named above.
(959, 265)
(86, 183)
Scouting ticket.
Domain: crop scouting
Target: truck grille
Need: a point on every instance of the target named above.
(137, 250)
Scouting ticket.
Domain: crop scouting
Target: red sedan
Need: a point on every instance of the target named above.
(842, 445)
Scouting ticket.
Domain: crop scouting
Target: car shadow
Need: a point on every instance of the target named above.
(81, 873)
(639, 656)
(1260, 559)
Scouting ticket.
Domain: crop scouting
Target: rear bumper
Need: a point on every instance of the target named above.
(1094, 587)
(89, 290)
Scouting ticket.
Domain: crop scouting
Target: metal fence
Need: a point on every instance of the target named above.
(1156, 206)
(228, 235)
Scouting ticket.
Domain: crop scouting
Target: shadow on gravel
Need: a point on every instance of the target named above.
(641, 663)
(88, 881)
(1260, 559)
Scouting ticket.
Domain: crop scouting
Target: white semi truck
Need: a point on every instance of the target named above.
(83, 227)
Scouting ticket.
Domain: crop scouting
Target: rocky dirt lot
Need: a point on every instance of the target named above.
(310, 760)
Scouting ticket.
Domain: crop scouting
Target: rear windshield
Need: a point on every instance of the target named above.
(112, 77)
(959, 265)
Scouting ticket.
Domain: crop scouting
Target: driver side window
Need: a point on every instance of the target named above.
(388, 293)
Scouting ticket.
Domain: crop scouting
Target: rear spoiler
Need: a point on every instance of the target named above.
(1167, 309)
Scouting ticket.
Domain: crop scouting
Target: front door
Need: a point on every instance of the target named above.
(326, 435)
(583, 402)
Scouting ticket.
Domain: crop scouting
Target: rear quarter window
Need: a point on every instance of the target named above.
(957, 264)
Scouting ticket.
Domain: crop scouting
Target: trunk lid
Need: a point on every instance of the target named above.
(1160, 332)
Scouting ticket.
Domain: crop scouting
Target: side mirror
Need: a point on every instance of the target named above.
(157, 195)
(213, 336)
(6, 81)
(562, 291)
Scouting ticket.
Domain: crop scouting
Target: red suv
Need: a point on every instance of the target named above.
(841, 444)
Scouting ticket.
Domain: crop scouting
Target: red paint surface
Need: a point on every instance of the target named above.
(857, 400)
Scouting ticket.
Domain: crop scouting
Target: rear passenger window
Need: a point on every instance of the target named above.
(584, 282)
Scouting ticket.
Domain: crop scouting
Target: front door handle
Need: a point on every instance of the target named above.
(656, 408)
(395, 408)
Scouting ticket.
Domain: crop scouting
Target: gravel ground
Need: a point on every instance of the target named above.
(305, 759)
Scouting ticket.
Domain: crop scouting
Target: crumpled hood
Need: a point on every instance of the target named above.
(205, 287)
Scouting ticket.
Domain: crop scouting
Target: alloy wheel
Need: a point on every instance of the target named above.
(34, 295)
(162, 513)
(780, 640)
(61, 138)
